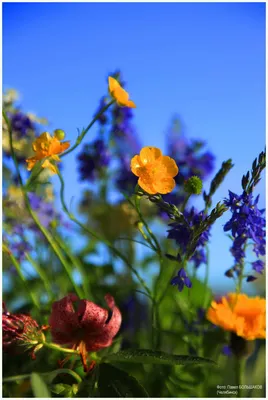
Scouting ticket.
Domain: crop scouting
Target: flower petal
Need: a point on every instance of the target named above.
(113, 84)
(136, 165)
(170, 165)
(149, 154)
(164, 186)
(146, 185)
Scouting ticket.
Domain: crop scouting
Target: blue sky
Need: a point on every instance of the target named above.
(203, 61)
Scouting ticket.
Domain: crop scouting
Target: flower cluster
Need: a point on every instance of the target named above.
(182, 232)
(189, 156)
(181, 280)
(240, 314)
(247, 223)
(92, 159)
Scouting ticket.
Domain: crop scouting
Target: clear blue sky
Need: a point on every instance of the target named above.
(205, 61)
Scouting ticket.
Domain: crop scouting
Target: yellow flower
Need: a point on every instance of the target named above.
(47, 147)
(155, 171)
(240, 314)
(119, 94)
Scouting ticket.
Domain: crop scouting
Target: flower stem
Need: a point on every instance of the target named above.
(42, 275)
(55, 372)
(24, 280)
(239, 369)
(53, 346)
(75, 261)
(45, 232)
(103, 240)
(84, 132)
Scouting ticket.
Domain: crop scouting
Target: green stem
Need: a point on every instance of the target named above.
(206, 280)
(24, 280)
(34, 216)
(55, 372)
(239, 369)
(184, 204)
(75, 261)
(42, 275)
(84, 132)
(62, 349)
(99, 238)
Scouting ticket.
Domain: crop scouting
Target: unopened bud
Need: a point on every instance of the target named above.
(193, 185)
(59, 134)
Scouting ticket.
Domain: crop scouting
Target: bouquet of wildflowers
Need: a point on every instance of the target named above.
(123, 312)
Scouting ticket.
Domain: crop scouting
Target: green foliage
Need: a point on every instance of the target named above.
(39, 386)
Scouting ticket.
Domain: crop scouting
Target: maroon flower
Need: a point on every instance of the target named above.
(21, 329)
(83, 325)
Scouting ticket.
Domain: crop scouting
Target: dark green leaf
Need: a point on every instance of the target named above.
(39, 387)
(87, 387)
(156, 357)
(113, 382)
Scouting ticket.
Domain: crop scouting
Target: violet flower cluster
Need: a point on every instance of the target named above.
(247, 223)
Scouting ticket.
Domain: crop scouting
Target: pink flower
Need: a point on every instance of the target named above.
(83, 325)
(21, 329)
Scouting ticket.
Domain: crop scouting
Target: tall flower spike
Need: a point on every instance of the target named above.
(87, 328)
(119, 94)
(47, 148)
(155, 171)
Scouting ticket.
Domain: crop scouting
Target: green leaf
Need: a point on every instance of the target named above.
(87, 388)
(39, 387)
(156, 357)
(113, 382)
(64, 390)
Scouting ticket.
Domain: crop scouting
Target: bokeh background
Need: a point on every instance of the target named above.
(204, 62)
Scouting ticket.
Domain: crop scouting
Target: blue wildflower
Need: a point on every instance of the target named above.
(247, 222)
(258, 266)
(181, 280)
(92, 159)
(182, 232)
(21, 123)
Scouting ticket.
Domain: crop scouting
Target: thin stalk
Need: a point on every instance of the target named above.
(34, 216)
(56, 372)
(206, 279)
(239, 369)
(99, 238)
(24, 281)
(84, 132)
(53, 346)
(75, 261)
(42, 275)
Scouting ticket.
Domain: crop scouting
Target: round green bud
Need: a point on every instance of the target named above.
(193, 185)
(59, 134)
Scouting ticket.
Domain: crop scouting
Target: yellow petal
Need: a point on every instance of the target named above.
(31, 163)
(170, 165)
(136, 165)
(113, 84)
(130, 104)
(164, 186)
(146, 186)
(51, 167)
(149, 154)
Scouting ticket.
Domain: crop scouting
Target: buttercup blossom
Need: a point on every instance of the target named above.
(86, 327)
(119, 94)
(155, 171)
(240, 314)
(47, 147)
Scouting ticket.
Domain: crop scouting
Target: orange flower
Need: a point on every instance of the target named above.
(155, 171)
(240, 314)
(119, 94)
(47, 147)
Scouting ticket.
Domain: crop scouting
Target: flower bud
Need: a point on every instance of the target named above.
(193, 185)
(241, 347)
(59, 134)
